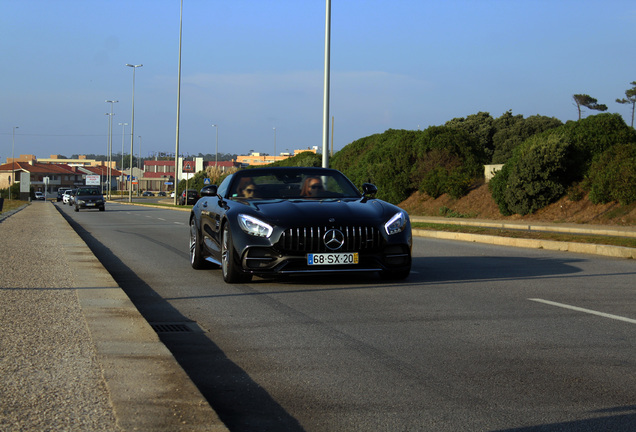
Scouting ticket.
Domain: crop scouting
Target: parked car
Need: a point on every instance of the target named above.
(147, 193)
(66, 196)
(89, 198)
(39, 195)
(193, 197)
(60, 195)
(297, 221)
(71, 196)
(161, 193)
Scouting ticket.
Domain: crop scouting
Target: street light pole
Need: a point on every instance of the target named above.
(325, 108)
(274, 144)
(13, 160)
(123, 134)
(132, 129)
(110, 144)
(176, 151)
(139, 165)
(110, 115)
(216, 155)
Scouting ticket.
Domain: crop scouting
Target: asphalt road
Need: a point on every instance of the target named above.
(479, 337)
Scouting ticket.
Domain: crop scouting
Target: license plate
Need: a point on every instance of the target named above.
(332, 258)
(90, 204)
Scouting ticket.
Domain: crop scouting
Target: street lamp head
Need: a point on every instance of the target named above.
(133, 66)
(111, 101)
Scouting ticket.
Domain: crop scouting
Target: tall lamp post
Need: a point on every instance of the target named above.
(325, 108)
(274, 144)
(13, 160)
(110, 144)
(123, 134)
(216, 155)
(176, 151)
(139, 165)
(132, 128)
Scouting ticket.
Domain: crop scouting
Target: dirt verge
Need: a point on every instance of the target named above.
(479, 204)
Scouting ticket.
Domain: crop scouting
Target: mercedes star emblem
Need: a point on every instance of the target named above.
(334, 239)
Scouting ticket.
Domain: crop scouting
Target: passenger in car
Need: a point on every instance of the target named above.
(312, 187)
(246, 188)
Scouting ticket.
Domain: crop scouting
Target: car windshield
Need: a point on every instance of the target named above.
(87, 192)
(291, 183)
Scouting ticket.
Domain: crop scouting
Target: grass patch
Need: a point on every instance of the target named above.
(12, 205)
(540, 235)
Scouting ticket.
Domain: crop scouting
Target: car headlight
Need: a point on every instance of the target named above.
(396, 224)
(254, 226)
(80, 201)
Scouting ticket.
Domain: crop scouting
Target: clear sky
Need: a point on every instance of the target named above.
(250, 66)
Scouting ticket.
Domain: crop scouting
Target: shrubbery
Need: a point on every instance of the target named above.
(543, 160)
(544, 166)
(534, 177)
(612, 175)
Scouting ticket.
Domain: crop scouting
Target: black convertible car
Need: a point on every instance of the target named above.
(291, 221)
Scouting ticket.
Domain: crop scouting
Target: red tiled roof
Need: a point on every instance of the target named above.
(38, 168)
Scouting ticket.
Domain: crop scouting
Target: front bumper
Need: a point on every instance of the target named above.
(267, 261)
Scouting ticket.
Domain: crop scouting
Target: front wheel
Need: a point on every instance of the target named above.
(231, 268)
(196, 254)
(76, 208)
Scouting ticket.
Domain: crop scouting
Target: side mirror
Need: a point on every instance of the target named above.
(208, 191)
(368, 190)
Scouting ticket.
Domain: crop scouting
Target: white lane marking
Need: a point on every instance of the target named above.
(589, 311)
(161, 219)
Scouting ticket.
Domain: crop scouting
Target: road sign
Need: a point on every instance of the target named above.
(92, 180)
(207, 181)
(168, 183)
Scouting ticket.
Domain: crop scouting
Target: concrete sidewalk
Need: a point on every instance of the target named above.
(75, 354)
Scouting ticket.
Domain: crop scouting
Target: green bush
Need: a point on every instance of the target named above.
(434, 182)
(612, 175)
(535, 176)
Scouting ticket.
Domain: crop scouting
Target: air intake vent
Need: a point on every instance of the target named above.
(310, 239)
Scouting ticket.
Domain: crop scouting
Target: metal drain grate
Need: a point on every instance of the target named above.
(171, 327)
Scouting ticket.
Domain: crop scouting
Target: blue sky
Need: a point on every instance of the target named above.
(253, 65)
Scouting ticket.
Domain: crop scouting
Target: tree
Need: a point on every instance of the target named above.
(630, 99)
(588, 102)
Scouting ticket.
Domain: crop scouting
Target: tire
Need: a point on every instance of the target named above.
(196, 249)
(230, 267)
(76, 208)
(102, 208)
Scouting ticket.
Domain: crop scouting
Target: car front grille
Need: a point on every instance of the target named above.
(311, 239)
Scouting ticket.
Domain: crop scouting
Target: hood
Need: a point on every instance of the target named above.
(323, 212)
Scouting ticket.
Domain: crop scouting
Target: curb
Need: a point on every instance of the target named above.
(564, 228)
(148, 388)
(585, 248)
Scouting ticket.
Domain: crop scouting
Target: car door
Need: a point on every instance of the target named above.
(212, 213)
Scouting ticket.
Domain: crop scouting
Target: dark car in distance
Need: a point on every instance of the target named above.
(89, 198)
(272, 222)
(193, 197)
